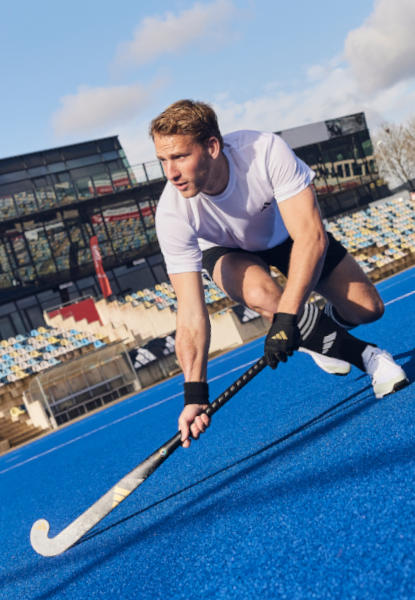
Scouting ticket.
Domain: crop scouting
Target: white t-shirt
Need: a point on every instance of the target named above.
(263, 171)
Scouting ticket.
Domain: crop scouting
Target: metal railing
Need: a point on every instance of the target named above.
(34, 199)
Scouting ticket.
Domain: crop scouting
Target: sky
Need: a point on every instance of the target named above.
(79, 70)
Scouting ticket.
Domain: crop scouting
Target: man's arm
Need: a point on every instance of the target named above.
(192, 345)
(303, 222)
(302, 219)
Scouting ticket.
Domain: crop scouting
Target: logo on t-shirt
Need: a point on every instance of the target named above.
(266, 204)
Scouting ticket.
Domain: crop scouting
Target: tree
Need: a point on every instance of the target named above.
(411, 138)
(395, 153)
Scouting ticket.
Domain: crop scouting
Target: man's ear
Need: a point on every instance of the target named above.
(213, 146)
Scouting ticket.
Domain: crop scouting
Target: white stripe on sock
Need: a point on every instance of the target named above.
(307, 324)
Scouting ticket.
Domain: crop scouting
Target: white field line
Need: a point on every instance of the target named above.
(399, 298)
(148, 407)
(391, 284)
(88, 433)
(115, 422)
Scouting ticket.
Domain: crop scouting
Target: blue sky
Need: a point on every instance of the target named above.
(82, 69)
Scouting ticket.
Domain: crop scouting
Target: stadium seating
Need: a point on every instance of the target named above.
(162, 295)
(40, 349)
(125, 234)
(23, 357)
(381, 237)
(15, 430)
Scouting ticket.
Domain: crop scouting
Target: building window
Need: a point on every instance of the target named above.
(26, 202)
(119, 175)
(125, 228)
(357, 169)
(75, 163)
(64, 189)
(40, 251)
(7, 206)
(45, 193)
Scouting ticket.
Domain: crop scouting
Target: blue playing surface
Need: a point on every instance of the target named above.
(303, 487)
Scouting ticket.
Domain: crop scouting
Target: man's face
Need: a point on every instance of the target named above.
(186, 163)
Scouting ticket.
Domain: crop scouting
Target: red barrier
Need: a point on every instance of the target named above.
(84, 309)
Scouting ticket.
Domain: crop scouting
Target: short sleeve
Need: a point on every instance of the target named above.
(289, 175)
(178, 242)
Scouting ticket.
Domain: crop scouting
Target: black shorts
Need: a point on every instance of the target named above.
(278, 256)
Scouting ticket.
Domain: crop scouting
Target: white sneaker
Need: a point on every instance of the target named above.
(387, 376)
(331, 365)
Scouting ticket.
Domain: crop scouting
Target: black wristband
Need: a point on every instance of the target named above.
(285, 319)
(196, 392)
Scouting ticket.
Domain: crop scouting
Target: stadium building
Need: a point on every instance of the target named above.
(53, 204)
(57, 206)
(341, 153)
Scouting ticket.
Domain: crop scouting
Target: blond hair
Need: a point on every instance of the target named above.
(186, 117)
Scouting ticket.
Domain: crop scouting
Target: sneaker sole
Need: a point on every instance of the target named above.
(339, 370)
(398, 385)
(337, 373)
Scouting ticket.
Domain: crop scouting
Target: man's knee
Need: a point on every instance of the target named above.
(246, 280)
(263, 298)
(374, 310)
(353, 295)
(367, 311)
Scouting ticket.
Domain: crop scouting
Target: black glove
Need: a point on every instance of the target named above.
(282, 339)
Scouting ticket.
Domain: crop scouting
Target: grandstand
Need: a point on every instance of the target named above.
(53, 202)
(24, 356)
(381, 237)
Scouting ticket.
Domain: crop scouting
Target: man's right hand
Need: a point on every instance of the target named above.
(193, 421)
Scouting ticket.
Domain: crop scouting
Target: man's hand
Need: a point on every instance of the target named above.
(282, 339)
(193, 422)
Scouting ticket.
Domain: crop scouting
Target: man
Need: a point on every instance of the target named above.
(235, 206)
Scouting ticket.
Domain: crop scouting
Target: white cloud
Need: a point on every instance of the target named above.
(382, 51)
(94, 108)
(373, 75)
(317, 72)
(336, 94)
(156, 36)
(136, 141)
(333, 95)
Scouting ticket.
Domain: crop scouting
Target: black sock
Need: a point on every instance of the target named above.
(321, 334)
(331, 311)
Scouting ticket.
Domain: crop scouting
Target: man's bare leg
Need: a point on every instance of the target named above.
(246, 280)
(355, 298)
(352, 300)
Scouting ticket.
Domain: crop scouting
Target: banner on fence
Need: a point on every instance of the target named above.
(152, 351)
(245, 314)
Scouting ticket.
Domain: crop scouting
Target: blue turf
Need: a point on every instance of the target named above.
(303, 487)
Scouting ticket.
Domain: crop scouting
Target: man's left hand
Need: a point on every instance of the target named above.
(282, 339)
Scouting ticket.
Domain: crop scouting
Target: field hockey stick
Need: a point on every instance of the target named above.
(47, 546)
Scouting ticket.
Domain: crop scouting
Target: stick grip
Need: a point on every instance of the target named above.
(236, 386)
